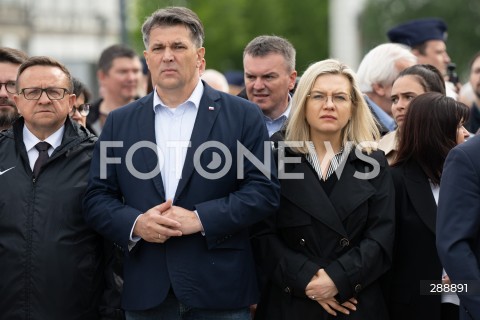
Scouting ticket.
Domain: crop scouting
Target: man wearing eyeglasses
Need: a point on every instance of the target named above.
(10, 60)
(51, 261)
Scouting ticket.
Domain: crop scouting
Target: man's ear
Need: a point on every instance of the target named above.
(16, 98)
(293, 79)
(379, 89)
(72, 99)
(101, 75)
(200, 57)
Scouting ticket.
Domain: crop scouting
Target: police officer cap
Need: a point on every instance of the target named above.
(416, 32)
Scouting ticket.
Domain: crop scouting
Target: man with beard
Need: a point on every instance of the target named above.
(10, 61)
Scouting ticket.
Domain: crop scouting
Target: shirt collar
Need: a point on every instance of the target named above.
(30, 140)
(384, 117)
(194, 98)
(286, 113)
(335, 162)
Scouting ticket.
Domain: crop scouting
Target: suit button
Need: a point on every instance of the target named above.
(287, 290)
(358, 288)
(344, 242)
(302, 242)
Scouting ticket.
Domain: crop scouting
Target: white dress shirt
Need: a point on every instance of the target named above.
(173, 131)
(30, 141)
(446, 297)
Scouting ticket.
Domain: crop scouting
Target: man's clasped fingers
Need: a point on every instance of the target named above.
(162, 228)
(152, 226)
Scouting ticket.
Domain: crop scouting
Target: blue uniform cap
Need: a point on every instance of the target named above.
(235, 78)
(416, 32)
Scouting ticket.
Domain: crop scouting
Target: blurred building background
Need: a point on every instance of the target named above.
(74, 32)
(344, 31)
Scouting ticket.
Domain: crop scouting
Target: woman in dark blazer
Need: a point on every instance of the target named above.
(323, 252)
(433, 125)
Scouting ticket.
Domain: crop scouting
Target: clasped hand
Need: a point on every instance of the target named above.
(323, 290)
(161, 222)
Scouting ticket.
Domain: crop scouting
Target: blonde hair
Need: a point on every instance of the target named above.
(361, 130)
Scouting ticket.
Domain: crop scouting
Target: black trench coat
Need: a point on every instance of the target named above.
(349, 233)
(415, 255)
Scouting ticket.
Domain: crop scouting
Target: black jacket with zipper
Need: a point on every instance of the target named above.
(52, 264)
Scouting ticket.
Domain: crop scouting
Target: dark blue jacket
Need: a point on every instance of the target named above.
(211, 271)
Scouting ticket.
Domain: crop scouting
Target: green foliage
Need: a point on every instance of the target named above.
(461, 16)
(231, 24)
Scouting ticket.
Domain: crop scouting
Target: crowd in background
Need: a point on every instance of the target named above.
(370, 208)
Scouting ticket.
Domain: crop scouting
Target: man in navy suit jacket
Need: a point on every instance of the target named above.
(458, 223)
(182, 217)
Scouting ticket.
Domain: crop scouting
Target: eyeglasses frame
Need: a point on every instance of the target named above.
(6, 87)
(75, 109)
(42, 90)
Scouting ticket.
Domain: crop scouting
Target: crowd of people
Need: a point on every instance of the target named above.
(344, 194)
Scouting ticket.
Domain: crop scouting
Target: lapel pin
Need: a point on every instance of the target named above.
(211, 108)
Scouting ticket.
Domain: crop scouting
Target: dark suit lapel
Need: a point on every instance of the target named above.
(146, 132)
(349, 192)
(207, 113)
(308, 195)
(420, 192)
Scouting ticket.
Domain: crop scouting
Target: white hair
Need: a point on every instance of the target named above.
(379, 65)
(216, 80)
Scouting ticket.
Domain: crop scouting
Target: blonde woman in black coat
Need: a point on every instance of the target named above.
(321, 255)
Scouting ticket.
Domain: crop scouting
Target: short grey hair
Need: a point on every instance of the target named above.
(265, 45)
(173, 16)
